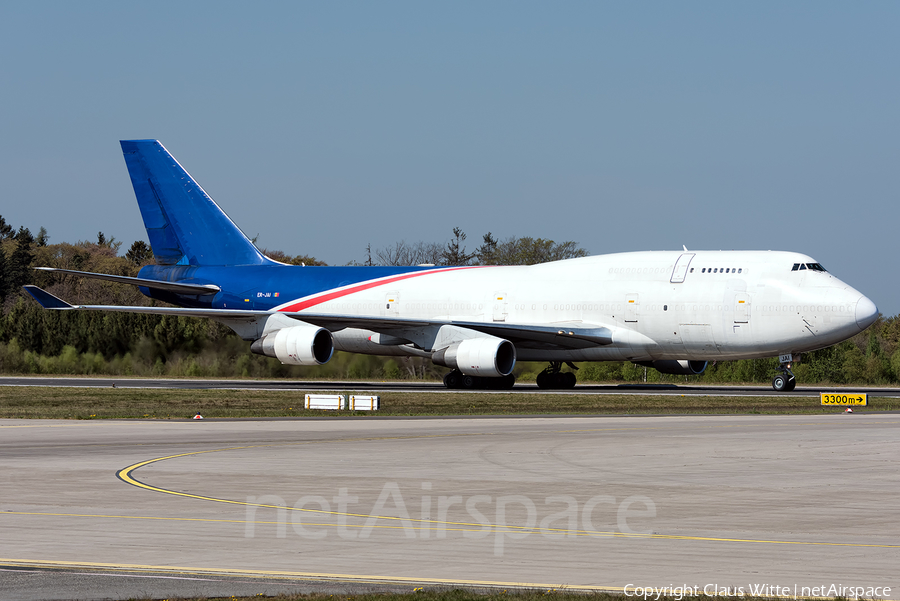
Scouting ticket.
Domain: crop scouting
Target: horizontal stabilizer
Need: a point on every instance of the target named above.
(47, 300)
(176, 287)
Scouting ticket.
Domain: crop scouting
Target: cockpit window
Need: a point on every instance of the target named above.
(811, 266)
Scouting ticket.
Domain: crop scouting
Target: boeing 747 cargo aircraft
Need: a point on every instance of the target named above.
(674, 311)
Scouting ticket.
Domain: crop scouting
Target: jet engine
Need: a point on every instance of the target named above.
(487, 356)
(680, 367)
(296, 345)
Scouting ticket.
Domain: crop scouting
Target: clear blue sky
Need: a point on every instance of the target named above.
(325, 126)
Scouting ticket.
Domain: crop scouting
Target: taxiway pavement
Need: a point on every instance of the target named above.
(93, 509)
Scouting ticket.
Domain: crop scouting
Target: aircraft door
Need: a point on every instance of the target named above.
(632, 307)
(681, 268)
(392, 303)
(499, 302)
(741, 307)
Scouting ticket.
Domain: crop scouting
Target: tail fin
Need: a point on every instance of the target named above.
(185, 225)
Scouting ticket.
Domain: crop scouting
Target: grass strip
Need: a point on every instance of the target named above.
(130, 403)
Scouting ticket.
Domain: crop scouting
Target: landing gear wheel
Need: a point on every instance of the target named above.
(505, 383)
(456, 379)
(453, 379)
(780, 383)
(785, 381)
(552, 377)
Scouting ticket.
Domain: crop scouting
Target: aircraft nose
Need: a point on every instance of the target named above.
(866, 313)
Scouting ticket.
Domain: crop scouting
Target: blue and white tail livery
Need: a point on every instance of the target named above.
(674, 310)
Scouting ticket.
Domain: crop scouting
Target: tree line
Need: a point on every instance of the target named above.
(37, 341)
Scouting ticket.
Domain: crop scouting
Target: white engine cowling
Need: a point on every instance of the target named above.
(297, 345)
(488, 356)
(681, 367)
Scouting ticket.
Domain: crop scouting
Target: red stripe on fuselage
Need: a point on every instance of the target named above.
(311, 302)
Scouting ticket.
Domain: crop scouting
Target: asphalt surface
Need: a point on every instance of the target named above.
(139, 509)
(376, 387)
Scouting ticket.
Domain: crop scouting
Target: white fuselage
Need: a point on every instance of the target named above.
(701, 305)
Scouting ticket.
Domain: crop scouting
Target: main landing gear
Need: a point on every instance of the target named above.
(457, 379)
(784, 381)
(552, 377)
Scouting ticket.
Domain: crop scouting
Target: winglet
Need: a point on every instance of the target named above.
(47, 300)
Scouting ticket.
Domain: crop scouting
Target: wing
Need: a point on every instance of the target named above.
(562, 335)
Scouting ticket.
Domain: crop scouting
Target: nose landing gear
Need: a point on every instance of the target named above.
(784, 381)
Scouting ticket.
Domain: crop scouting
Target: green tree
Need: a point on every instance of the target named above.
(4, 276)
(485, 253)
(854, 367)
(527, 251)
(112, 243)
(19, 267)
(6, 230)
(895, 364)
(826, 365)
(455, 253)
(139, 253)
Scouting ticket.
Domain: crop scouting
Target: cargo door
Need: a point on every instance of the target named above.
(392, 303)
(500, 303)
(632, 308)
(741, 307)
(698, 340)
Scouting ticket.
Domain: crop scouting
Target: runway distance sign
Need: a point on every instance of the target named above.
(853, 398)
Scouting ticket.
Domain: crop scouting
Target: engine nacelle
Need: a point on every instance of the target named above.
(487, 356)
(681, 367)
(297, 345)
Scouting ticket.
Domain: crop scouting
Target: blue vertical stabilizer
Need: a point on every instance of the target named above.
(184, 224)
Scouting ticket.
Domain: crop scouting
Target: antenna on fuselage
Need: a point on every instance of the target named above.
(684, 247)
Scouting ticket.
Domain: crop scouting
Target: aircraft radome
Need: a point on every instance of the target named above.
(674, 311)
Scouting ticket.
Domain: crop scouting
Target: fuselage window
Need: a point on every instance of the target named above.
(704, 270)
(740, 269)
(795, 267)
(692, 270)
(802, 267)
